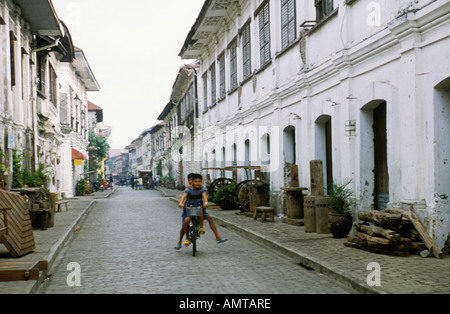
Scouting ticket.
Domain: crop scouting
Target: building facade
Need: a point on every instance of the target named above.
(43, 96)
(76, 80)
(361, 85)
(182, 127)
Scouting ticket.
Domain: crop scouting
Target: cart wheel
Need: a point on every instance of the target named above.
(241, 195)
(218, 184)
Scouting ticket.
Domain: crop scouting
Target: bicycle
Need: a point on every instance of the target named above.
(194, 225)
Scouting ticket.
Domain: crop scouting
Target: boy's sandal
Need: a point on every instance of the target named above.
(202, 231)
(221, 241)
(177, 247)
(187, 243)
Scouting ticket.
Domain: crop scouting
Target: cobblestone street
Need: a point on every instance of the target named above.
(125, 244)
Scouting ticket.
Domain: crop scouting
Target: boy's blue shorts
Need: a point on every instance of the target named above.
(184, 215)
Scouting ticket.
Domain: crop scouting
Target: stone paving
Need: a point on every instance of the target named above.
(125, 245)
(50, 242)
(321, 252)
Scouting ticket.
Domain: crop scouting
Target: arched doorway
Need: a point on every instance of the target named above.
(234, 154)
(324, 147)
(265, 150)
(442, 144)
(374, 153)
(247, 153)
(289, 152)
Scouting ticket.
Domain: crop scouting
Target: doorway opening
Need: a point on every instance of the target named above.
(324, 147)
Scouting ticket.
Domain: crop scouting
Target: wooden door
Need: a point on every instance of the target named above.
(329, 153)
(381, 191)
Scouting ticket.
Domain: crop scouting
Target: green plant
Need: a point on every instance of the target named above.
(341, 197)
(224, 196)
(159, 168)
(100, 143)
(44, 172)
(30, 179)
(17, 170)
(2, 168)
(81, 187)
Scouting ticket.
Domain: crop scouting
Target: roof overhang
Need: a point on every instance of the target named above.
(77, 155)
(83, 69)
(98, 111)
(166, 110)
(185, 76)
(41, 16)
(62, 45)
(208, 23)
(67, 44)
(157, 127)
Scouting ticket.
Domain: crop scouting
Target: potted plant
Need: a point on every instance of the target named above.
(340, 219)
(224, 197)
(81, 187)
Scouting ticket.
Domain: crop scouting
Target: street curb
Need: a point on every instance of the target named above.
(298, 257)
(99, 197)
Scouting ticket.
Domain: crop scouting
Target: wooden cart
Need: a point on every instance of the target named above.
(255, 184)
(220, 182)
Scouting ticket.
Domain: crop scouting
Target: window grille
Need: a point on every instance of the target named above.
(246, 52)
(323, 9)
(233, 65)
(213, 84)
(264, 35)
(222, 90)
(288, 31)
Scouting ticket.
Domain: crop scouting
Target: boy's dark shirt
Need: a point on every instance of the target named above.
(194, 197)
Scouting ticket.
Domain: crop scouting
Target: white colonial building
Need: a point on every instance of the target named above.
(44, 82)
(362, 85)
(181, 116)
(76, 80)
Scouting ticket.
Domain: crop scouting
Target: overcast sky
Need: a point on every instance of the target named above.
(132, 48)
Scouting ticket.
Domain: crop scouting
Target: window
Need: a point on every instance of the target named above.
(323, 9)
(182, 110)
(213, 84)
(205, 92)
(246, 52)
(41, 65)
(264, 35)
(233, 65)
(53, 86)
(288, 31)
(222, 90)
(13, 58)
(190, 100)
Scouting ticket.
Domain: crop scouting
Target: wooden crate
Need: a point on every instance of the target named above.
(20, 238)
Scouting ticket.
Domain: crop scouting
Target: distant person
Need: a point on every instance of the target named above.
(133, 179)
(157, 180)
(140, 184)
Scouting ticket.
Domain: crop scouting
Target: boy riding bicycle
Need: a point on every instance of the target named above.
(195, 195)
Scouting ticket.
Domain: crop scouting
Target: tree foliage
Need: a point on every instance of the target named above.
(100, 143)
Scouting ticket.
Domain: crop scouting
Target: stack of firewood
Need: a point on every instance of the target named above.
(392, 232)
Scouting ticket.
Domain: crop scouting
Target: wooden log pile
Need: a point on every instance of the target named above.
(392, 232)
